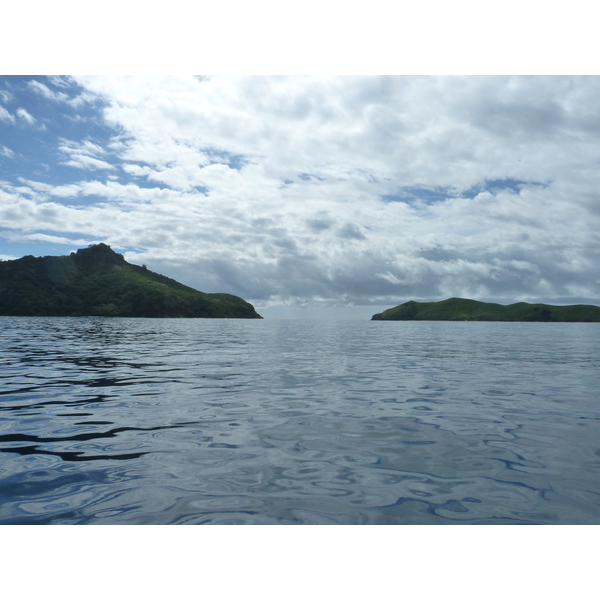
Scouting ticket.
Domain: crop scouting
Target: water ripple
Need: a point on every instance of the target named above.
(233, 422)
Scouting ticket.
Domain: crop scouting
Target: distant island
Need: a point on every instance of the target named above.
(96, 281)
(460, 309)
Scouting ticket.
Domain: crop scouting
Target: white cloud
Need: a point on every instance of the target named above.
(455, 131)
(6, 152)
(59, 81)
(63, 82)
(6, 96)
(5, 115)
(46, 92)
(389, 277)
(23, 114)
(42, 237)
(83, 161)
(84, 155)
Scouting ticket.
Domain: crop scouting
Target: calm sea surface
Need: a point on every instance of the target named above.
(283, 422)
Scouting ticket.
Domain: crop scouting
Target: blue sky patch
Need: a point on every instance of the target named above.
(498, 185)
(233, 161)
(411, 194)
(310, 177)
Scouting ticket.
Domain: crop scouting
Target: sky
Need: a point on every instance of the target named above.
(313, 191)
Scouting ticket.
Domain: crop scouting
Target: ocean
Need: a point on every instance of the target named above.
(199, 421)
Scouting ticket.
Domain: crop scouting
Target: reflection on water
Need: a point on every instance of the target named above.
(209, 421)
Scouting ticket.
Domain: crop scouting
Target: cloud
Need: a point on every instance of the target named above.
(361, 190)
(83, 155)
(23, 114)
(5, 115)
(351, 232)
(83, 161)
(20, 112)
(6, 96)
(46, 92)
(56, 96)
(58, 240)
(6, 152)
(346, 126)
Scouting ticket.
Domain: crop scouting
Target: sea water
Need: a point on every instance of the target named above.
(197, 421)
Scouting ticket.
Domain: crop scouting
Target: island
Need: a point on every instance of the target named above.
(97, 281)
(461, 309)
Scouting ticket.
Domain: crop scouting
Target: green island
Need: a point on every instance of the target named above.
(96, 281)
(461, 309)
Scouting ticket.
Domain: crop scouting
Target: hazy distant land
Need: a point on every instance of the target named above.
(96, 281)
(460, 309)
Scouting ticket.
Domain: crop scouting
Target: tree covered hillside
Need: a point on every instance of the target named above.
(96, 281)
(460, 309)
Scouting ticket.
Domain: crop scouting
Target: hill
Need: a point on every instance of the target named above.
(459, 309)
(96, 281)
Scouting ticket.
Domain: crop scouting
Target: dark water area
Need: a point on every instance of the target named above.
(193, 421)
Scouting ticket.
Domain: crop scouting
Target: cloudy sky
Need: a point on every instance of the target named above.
(319, 191)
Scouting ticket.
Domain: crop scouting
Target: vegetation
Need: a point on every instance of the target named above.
(96, 281)
(459, 309)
